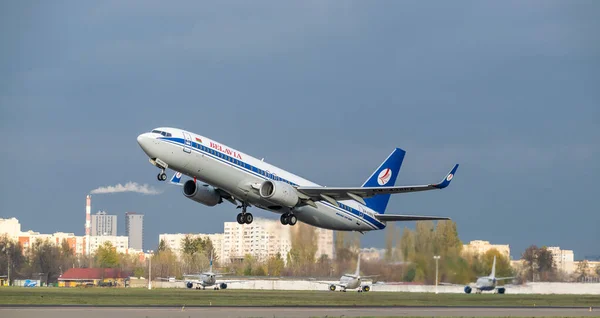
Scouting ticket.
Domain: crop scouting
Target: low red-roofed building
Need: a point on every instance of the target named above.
(74, 277)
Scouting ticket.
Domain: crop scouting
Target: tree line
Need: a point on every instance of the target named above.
(407, 257)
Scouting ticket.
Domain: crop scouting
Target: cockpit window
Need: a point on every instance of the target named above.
(164, 133)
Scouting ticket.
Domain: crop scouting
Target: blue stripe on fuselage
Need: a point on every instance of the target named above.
(237, 163)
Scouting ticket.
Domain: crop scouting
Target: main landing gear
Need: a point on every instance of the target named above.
(244, 217)
(288, 218)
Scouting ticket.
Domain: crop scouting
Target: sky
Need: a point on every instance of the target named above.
(324, 89)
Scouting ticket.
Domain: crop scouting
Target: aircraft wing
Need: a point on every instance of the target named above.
(369, 276)
(330, 283)
(359, 193)
(504, 278)
(230, 281)
(195, 281)
(472, 285)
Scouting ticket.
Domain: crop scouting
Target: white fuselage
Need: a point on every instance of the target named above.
(350, 282)
(208, 279)
(485, 283)
(240, 175)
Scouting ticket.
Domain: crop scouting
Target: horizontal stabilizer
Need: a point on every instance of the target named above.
(399, 217)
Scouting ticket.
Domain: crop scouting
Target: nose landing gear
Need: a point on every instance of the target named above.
(162, 176)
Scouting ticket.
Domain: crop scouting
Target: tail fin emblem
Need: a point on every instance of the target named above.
(384, 176)
(449, 177)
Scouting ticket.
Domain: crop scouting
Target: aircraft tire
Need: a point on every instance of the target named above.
(284, 219)
(240, 219)
(248, 218)
(161, 176)
(292, 219)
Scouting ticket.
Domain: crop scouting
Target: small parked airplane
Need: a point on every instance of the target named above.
(351, 281)
(485, 283)
(233, 176)
(207, 279)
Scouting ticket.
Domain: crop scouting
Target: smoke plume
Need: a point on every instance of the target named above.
(128, 187)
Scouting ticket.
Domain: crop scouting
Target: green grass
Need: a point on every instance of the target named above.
(179, 297)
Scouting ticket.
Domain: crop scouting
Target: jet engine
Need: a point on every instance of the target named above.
(332, 287)
(204, 194)
(189, 285)
(501, 290)
(366, 288)
(223, 286)
(468, 289)
(279, 193)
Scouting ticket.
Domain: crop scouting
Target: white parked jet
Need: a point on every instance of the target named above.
(207, 279)
(228, 174)
(349, 281)
(487, 283)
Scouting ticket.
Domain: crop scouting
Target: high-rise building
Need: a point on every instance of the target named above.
(563, 259)
(104, 224)
(134, 229)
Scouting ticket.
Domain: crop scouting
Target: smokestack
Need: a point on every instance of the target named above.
(88, 212)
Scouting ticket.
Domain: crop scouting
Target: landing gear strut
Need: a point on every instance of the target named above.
(244, 217)
(288, 218)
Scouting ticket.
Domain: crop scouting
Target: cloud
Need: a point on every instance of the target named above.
(128, 187)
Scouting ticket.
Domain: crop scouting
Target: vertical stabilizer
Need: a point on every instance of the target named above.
(211, 261)
(357, 267)
(493, 275)
(384, 176)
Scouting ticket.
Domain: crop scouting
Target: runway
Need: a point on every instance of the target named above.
(292, 312)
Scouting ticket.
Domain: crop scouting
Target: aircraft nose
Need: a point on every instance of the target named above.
(144, 140)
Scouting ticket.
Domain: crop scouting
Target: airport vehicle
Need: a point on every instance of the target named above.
(227, 174)
(488, 283)
(351, 281)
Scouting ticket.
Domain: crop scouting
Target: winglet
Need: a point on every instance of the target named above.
(446, 182)
(176, 178)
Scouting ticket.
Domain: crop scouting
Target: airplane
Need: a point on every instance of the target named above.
(229, 175)
(487, 283)
(351, 281)
(207, 279)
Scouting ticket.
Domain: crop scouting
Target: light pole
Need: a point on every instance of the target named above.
(436, 257)
(150, 269)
